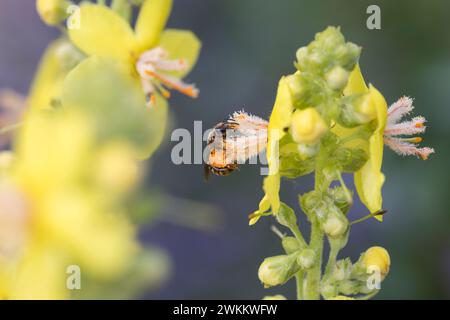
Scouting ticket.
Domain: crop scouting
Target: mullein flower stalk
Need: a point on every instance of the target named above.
(327, 121)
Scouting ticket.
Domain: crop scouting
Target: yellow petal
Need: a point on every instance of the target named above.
(271, 188)
(254, 220)
(181, 44)
(369, 179)
(356, 83)
(104, 33)
(279, 120)
(151, 22)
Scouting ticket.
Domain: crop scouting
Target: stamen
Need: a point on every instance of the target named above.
(412, 140)
(399, 109)
(394, 128)
(188, 90)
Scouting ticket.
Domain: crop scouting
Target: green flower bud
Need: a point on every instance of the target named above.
(306, 258)
(334, 226)
(307, 126)
(302, 55)
(351, 56)
(349, 287)
(296, 86)
(332, 220)
(337, 78)
(357, 110)
(286, 216)
(328, 290)
(52, 12)
(290, 244)
(342, 270)
(309, 201)
(278, 270)
(340, 198)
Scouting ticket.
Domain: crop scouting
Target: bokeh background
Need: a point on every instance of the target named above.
(247, 46)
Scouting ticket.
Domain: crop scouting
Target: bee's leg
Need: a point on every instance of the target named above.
(206, 172)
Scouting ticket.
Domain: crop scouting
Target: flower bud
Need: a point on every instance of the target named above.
(275, 297)
(365, 106)
(358, 111)
(335, 224)
(309, 201)
(341, 198)
(52, 12)
(307, 126)
(337, 78)
(296, 87)
(306, 258)
(342, 270)
(277, 270)
(290, 244)
(379, 257)
(350, 287)
(301, 55)
(286, 216)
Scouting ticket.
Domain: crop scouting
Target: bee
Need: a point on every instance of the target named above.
(234, 141)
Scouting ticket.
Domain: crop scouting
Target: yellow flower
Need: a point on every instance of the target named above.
(379, 257)
(279, 120)
(58, 214)
(159, 59)
(369, 179)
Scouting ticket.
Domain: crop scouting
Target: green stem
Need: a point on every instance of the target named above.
(298, 235)
(334, 250)
(312, 288)
(299, 277)
(101, 2)
(344, 186)
(371, 215)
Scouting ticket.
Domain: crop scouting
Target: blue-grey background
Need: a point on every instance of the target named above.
(247, 46)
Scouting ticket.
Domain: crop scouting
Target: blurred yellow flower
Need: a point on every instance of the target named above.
(158, 58)
(57, 212)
